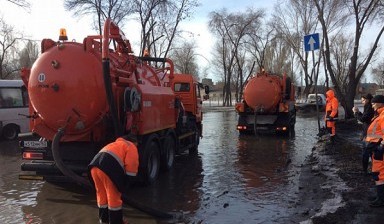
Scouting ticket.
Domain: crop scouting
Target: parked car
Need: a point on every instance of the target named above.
(310, 103)
(379, 92)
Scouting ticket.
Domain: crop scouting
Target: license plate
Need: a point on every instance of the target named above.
(34, 144)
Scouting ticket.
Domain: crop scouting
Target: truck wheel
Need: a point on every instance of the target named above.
(196, 141)
(149, 164)
(168, 153)
(10, 132)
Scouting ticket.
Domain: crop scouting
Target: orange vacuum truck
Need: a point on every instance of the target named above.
(85, 95)
(268, 105)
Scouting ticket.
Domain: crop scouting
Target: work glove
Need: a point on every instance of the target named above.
(378, 152)
(375, 176)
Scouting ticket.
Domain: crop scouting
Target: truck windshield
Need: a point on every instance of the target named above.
(182, 87)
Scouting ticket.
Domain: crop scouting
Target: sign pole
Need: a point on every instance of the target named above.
(316, 91)
(312, 43)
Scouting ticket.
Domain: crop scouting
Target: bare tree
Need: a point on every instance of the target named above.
(184, 59)
(258, 43)
(232, 30)
(28, 55)
(8, 41)
(365, 13)
(160, 22)
(378, 73)
(292, 21)
(277, 56)
(21, 3)
(219, 23)
(340, 53)
(117, 10)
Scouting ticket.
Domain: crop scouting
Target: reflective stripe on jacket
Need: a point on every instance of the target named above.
(375, 132)
(117, 159)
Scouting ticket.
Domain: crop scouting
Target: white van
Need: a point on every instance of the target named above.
(14, 109)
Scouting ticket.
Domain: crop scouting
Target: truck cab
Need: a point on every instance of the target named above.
(188, 90)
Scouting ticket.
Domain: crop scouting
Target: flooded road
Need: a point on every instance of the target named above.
(232, 179)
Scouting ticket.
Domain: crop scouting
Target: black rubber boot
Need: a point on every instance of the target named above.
(116, 217)
(379, 201)
(103, 215)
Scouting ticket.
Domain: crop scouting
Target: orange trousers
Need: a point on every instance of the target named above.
(332, 126)
(106, 192)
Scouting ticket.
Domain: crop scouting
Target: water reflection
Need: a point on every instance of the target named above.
(260, 160)
(62, 203)
(244, 176)
(14, 194)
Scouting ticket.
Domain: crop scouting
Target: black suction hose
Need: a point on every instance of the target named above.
(60, 164)
(111, 101)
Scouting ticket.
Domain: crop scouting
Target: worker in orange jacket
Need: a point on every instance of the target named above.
(110, 170)
(374, 139)
(331, 113)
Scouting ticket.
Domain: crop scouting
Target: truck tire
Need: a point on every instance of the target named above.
(10, 131)
(149, 161)
(168, 152)
(287, 88)
(196, 141)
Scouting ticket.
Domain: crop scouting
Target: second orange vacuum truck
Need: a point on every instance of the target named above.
(84, 95)
(268, 104)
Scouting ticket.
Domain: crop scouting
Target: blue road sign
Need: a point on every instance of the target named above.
(311, 42)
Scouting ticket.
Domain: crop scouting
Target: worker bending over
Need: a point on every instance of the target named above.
(110, 170)
(331, 113)
(374, 139)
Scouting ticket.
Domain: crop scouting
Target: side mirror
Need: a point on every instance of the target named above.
(206, 89)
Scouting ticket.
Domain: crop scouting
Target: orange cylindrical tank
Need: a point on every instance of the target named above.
(66, 88)
(263, 92)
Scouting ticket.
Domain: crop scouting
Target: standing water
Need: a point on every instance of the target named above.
(232, 179)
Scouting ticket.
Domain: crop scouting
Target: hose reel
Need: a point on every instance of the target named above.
(132, 99)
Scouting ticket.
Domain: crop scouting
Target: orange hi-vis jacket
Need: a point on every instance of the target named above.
(375, 132)
(117, 160)
(332, 105)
